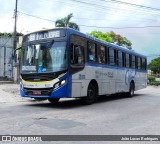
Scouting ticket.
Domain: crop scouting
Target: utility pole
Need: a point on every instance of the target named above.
(14, 36)
(4, 74)
(15, 27)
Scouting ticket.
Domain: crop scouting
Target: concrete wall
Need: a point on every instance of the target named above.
(6, 57)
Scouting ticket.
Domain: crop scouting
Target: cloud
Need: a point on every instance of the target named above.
(6, 23)
(107, 14)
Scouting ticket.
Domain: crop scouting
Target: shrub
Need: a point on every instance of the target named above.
(155, 83)
(151, 78)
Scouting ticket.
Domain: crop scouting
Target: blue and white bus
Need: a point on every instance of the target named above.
(65, 63)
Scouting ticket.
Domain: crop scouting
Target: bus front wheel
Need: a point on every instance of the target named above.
(91, 95)
(53, 100)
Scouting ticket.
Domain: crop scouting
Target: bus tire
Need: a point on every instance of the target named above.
(53, 100)
(131, 90)
(91, 95)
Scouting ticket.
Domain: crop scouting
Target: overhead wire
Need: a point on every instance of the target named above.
(131, 27)
(104, 8)
(135, 5)
(88, 3)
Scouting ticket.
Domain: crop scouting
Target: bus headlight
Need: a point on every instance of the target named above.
(63, 82)
(59, 84)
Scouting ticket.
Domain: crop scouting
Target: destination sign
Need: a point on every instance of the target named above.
(44, 35)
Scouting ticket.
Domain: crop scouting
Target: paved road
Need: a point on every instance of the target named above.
(110, 115)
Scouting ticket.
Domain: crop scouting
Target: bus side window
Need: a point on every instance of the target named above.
(107, 54)
(115, 57)
(111, 56)
(72, 53)
(136, 62)
(133, 61)
(143, 63)
(77, 54)
(130, 61)
(127, 60)
(124, 59)
(119, 59)
(101, 56)
(92, 51)
(139, 63)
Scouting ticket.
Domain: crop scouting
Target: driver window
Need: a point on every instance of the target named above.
(77, 54)
(77, 47)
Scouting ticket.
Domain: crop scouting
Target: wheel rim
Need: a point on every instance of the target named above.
(91, 95)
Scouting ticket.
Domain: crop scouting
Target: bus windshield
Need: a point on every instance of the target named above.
(44, 58)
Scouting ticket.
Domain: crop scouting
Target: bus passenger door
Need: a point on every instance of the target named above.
(77, 65)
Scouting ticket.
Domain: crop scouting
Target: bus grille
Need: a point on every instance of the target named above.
(44, 92)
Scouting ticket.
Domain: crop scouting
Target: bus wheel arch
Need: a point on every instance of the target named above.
(92, 92)
(95, 83)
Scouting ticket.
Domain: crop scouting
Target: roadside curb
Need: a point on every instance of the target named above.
(6, 82)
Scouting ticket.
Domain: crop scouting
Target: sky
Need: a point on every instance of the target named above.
(102, 15)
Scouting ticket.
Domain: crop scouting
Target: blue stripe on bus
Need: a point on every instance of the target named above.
(112, 67)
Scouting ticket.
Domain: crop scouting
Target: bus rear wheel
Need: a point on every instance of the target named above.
(53, 100)
(131, 90)
(91, 95)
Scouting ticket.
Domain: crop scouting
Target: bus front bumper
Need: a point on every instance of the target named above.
(61, 92)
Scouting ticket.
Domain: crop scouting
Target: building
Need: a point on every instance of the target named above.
(6, 56)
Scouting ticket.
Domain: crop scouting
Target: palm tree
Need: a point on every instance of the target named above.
(65, 22)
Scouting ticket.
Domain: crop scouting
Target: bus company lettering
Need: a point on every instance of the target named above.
(98, 74)
(81, 76)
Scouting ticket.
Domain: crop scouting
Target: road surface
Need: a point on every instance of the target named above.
(112, 115)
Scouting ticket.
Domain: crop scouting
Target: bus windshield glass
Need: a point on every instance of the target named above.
(44, 58)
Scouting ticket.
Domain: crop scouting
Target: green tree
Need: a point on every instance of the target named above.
(65, 22)
(120, 40)
(154, 65)
(113, 38)
(102, 36)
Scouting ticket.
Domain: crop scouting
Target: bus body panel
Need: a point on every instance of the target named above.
(141, 80)
(110, 80)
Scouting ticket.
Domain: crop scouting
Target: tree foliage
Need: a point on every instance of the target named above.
(113, 38)
(9, 34)
(65, 22)
(102, 36)
(154, 65)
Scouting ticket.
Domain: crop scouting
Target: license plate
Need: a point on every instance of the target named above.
(37, 92)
